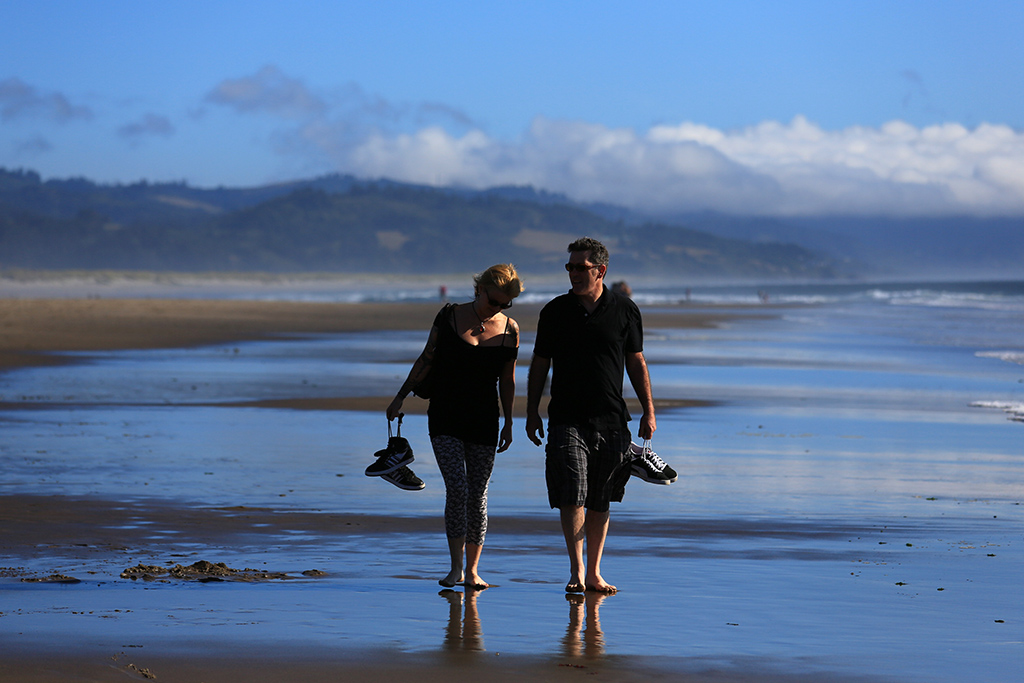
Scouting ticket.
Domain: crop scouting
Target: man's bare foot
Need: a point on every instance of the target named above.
(574, 586)
(453, 579)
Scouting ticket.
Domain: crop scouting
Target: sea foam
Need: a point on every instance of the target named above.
(1014, 410)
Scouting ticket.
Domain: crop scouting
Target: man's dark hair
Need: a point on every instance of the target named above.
(598, 252)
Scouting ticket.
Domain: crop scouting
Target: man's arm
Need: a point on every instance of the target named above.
(538, 377)
(636, 368)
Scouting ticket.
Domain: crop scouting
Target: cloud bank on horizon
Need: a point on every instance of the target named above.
(776, 168)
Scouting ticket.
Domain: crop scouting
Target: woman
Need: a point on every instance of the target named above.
(471, 348)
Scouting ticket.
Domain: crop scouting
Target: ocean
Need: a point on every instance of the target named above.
(849, 504)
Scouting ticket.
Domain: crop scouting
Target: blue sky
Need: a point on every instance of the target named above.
(775, 108)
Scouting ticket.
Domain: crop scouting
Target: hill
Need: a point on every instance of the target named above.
(342, 224)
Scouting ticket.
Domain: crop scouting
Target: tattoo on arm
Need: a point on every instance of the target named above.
(421, 368)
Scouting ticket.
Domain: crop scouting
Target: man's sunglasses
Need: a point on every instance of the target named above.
(580, 267)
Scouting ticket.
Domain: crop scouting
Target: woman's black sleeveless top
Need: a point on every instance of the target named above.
(465, 399)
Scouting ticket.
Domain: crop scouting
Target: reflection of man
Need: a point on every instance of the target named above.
(588, 336)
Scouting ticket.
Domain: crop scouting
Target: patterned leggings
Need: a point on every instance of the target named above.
(466, 469)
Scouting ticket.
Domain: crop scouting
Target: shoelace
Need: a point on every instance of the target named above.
(390, 435)
(652, 457)
(395, 454)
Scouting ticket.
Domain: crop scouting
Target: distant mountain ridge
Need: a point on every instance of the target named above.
(338, 223)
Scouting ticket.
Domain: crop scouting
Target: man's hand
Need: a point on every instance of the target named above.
(539, 367)
(535, 428)
(647, 426)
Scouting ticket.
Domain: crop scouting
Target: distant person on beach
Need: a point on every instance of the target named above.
(466, 369)
(589, 336)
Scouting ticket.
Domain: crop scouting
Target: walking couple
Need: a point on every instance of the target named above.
(587, 338)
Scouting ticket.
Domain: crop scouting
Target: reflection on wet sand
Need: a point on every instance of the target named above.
(583, 635)
(462, 633)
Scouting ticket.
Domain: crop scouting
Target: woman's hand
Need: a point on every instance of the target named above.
(506, 437)
(395, 409)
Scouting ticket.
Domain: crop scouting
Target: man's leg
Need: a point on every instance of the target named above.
(573, 519)
(596, 526)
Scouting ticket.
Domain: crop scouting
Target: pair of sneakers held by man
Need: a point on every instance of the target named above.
(392, 463)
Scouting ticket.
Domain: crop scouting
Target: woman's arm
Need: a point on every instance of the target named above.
(507, 393)
(420, 370)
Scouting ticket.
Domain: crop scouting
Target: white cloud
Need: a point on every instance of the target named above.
(31, 147)
(269, 90)
(345, 108)
(772, 168)
(19, 100)
(148, 125)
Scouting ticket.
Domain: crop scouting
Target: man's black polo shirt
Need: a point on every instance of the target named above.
(588, 353)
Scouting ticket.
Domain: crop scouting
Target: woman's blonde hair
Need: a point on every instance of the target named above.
(501, 276)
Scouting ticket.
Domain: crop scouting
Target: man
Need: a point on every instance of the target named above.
(589, 336)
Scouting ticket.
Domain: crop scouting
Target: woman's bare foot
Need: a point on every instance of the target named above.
(599, 585)
(473, 580)
(454, 578)
(575, 585)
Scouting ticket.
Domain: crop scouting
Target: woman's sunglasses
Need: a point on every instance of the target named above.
(498, 304)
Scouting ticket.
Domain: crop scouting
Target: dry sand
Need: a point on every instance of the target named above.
(31, 329)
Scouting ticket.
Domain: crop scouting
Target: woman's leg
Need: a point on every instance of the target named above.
(451, 460)
(479, 464)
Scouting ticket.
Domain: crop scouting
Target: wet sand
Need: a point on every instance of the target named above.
(813, 535)
(90, 540)
(30, 328)
(69, 541)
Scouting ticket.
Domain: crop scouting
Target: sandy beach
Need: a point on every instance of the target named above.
(34, 331)
(36, 326)
(183, 500)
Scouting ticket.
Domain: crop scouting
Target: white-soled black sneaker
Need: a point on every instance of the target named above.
(649, 467)
(404, 478)
(398, 454)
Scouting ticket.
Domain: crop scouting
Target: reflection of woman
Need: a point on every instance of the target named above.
(470, 358)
